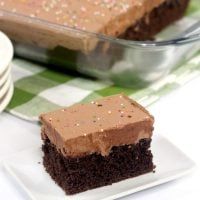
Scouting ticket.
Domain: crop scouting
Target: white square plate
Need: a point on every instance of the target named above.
(27, 170)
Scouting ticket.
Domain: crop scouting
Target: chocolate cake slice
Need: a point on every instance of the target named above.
(96, 144)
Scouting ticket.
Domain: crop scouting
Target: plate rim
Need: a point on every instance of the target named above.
(7, 98)
(5, 76)
(9, 49)
(167, 179)
(5, 87)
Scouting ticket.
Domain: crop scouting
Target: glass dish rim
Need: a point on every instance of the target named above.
(127, 43)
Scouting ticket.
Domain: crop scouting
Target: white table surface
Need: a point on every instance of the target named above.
(177, 118)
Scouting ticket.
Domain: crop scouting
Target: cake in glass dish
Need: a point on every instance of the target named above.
(96, 144)
(128, 19)
(105, 39)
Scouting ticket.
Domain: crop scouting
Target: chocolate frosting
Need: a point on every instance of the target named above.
(97, 126)
(100, 16)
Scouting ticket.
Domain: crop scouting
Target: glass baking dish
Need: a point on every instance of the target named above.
(124, 62)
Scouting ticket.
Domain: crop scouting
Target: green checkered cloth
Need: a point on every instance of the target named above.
(38, 89)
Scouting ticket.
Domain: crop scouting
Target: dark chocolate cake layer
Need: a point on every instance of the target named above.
(80, 174)
(158, 19)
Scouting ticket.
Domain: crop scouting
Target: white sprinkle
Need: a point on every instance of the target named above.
(58, 12)
(14, 10)
(83, 9)
(32, 15)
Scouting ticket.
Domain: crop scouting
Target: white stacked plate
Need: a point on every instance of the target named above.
(6, 84)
